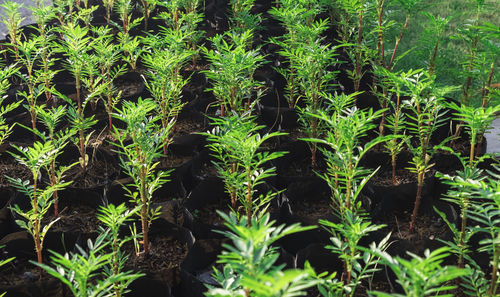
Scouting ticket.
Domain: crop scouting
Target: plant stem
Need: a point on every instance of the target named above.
(420, 185)
(144, 212)
(398, 41)
(249, 198)
(494, 273)
(357, 79)
(36, 223)
(433, 58)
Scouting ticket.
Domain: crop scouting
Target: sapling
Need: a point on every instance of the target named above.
(298, 36)
(37, 158)
(476, 120)
(166, 82)
(109, 54)
(76, 46)
(114, 217)
(345, 126)
(148, 6)
(43, 15)
(231, 71)
(487, 214)
(250, 262)
(13, 21)
(462, 186)
(124, 9)
(132, 50)
(426, 114)
(359, 264)
(140, 147)
(235, 142)
(29, 52)
(438, 27)
(242, 18)
(82, 271)
(314, 79)
(396, 120)
(51, 119)
(421, 276)
(109, 5)
(5, 74)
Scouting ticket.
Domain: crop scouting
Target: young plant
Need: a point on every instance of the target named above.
(43, 15)
(114, 217)
(487, 214)
(132, 50)
(148, 6)
(166, 82)
(231, 71)
(13, 21)
(249, 264)
(76, 46)
(29, 54)
(476, 120)
(311, 61)
(51, 119)
(461, 193)
(426, 115)
(109, 54)
(242, 18)
(298, 34)
(394, 83)
(235, 142)
(124, 9)
(140, 145)
(5, 74)
(109, 5)
(359, 264)
(345, 126)
(421, 276)
(82, 271)
(36, 158)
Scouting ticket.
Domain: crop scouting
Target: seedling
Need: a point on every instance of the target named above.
(421, 276)
(109, 54)
(124, 9)
(13, 21)
(311, 62)
(242, 18)
(82, 271)
(166, 83)
(36, 158)
(235, 142)
(51, 118)
(426, 115)
(114, 217)
(396, 121)
(6, 129)
(359, 264)
(477, 120)
(250, 261)
(231, 71)
(345, 126)
(29, 54)
(148, 6)
(140, 145)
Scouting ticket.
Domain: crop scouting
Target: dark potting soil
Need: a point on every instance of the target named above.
(79, 218)
(12, 168)
(163, 261)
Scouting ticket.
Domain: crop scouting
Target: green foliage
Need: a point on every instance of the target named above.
(242, 17)
(421, 276)
(359, 263)
(249, 263)
(477, 120)
(12, 21)
(82, 271)
(236, 144)
(36, 158)
(114, 217)
(6, 129)
(231, 71)
(345, 128)
(139, 145)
